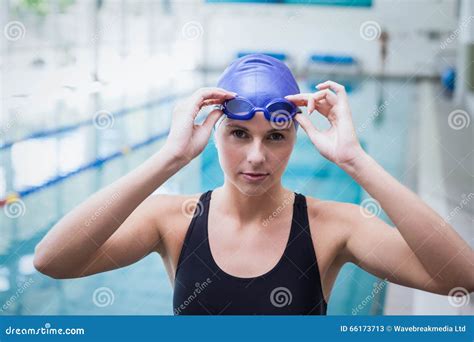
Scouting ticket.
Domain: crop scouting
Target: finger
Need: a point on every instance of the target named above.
(311, 103)
(198, 99)
(203, 94)
(211, 102)
(330, 97)
(339, 89)
(322, 103)
(307, 125)
(211, 119)
(323, 108)
(302, 99)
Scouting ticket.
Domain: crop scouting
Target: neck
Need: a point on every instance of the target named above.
(256, 208)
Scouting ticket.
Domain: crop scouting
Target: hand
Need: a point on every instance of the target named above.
(339, 143)
(186, 139)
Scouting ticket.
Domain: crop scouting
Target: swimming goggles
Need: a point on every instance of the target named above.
(277, 110)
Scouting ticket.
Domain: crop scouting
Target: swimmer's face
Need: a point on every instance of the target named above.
(254, 146)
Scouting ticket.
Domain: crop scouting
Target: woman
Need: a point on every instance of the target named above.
(256, 247)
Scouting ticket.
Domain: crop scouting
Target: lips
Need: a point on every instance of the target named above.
(254, 176)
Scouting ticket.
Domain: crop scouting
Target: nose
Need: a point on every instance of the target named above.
(256, 154)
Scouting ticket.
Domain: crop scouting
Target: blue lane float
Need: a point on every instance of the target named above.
(280, 56)
(93, 164)
(88, 122)
(332, 59)
(349, 84)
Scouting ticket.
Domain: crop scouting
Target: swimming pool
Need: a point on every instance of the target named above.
(61, 170)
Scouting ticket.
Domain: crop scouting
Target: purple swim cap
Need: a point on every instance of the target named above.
(260, 78)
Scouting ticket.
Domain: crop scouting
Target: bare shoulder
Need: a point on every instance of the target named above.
(332, 214)
(330, 225)
(172, 214)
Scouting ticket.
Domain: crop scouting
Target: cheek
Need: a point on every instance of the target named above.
(230, 156)
(280, 157)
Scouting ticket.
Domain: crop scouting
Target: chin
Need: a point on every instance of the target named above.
(250, 189)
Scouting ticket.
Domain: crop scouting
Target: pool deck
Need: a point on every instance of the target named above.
(440, 170)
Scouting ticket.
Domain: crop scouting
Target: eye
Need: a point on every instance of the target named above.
(238, 133)
(277, 136)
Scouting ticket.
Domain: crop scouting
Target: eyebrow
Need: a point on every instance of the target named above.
(245, 129)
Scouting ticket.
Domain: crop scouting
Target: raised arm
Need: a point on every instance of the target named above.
(116, 226)
(424, 251)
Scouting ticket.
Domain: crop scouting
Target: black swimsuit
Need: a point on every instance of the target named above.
(292, 287)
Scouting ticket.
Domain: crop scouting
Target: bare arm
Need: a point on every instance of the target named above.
(116, 226)
(424, 251)
(67, 248)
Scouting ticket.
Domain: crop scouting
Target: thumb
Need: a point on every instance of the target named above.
(307, 125)
(315, 135)
(211, 120)
(204, 130)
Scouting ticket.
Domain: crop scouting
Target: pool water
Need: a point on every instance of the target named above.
(144, 288)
